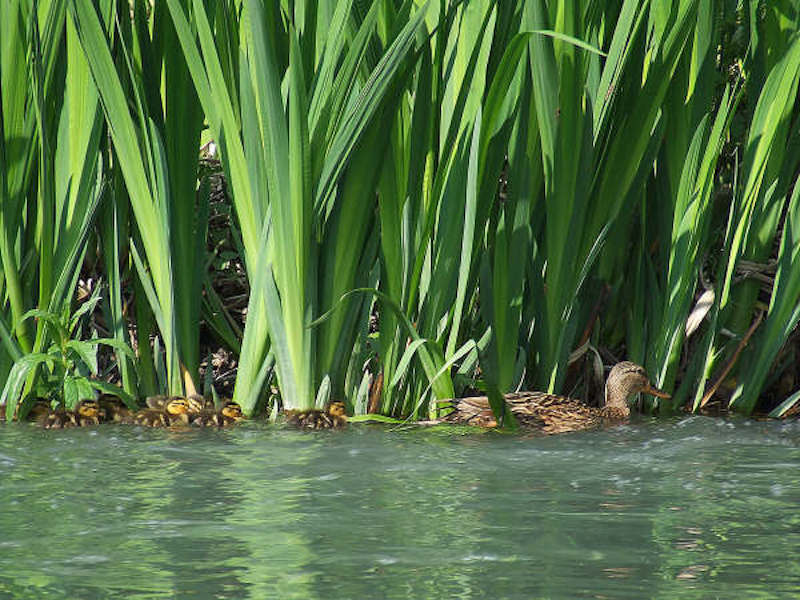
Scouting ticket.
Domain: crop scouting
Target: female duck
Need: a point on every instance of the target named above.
(550, 413)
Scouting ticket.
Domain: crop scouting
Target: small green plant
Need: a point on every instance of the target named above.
(67, 370)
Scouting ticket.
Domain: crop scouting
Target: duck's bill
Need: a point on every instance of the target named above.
(649, 389)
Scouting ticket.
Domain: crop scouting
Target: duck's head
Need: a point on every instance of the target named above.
(337, 409)
(624, 380)
(195, 403)
(231, 410)
(88, 408)
(178, 406)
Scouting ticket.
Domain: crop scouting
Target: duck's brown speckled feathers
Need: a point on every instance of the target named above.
(533, 410)
(550, 413)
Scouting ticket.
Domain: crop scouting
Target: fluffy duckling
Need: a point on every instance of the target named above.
(332, 418)
(87, 413)
(187, 410)
(180, 410)
(39, 412)
(229, 414)
(337, 412)
(114, 409)
(148, 417)
(61, 419)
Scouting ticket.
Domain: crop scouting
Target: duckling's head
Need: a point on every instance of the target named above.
(231, 410)
(178, 406)
(337, 409)
(88, 408)
(624, 380)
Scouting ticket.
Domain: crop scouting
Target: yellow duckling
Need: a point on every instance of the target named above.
(231, 413)
(550, 413)
(187, 410)
(180, 410)
(89, 412)
(337, 412)
(176, 404)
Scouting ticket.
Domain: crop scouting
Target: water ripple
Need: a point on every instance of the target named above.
(686, 508)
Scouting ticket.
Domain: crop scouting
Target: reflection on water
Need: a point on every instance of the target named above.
(693, 508)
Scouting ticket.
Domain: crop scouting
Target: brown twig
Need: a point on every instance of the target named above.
(375, 393)
(733, 359)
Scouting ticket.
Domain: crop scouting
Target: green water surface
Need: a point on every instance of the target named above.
(689, 508)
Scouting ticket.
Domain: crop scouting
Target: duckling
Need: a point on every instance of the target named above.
(198, 403)
(230, 413)
(333, 417)
(302, 419)
(550, 413)
(114, 409)
(60, 419)
(338, 414)
(157, 402)
(180, 410)
(147, 417)
(89, 412)
(194, 402)
(39, 412)
(207, 418)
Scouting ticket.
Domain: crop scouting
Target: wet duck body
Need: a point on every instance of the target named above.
(550, 413)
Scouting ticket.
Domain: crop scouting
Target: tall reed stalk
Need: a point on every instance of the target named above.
(431, 196)
(51, 175)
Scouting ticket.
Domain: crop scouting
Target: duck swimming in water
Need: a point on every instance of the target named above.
(550, 413)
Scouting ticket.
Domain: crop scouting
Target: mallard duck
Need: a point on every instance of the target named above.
(43, 414)
(550, 413)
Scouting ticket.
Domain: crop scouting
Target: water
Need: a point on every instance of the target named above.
(691, 508)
